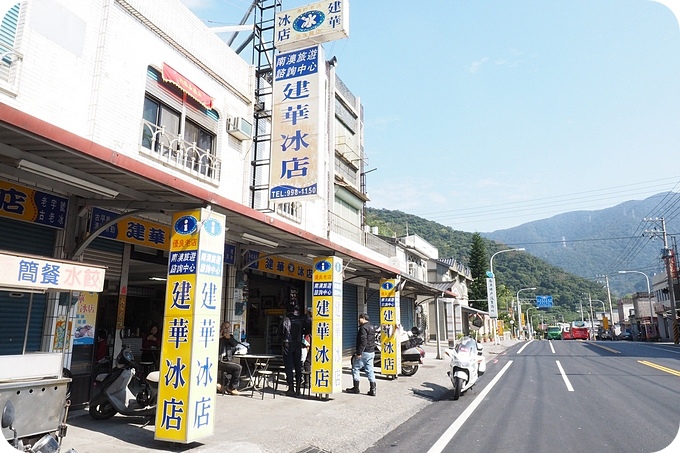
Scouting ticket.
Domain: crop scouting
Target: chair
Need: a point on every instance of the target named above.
(307, 378)
(265, 379)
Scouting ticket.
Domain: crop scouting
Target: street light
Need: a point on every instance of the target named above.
(649, 294)
(495, 320)
(531, 325)
(519, 307)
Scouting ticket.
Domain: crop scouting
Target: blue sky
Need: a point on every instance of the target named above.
(486, 114)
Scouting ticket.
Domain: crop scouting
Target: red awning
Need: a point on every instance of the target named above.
(186, 85)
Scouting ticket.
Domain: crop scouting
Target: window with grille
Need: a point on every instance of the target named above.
(178, 130)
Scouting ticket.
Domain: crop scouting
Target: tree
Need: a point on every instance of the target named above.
(478, 267)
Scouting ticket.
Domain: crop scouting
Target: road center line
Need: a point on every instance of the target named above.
(551, 346)
(604, 347)
(445, 438)
(660, 367)
(564, 376)
(525, 345)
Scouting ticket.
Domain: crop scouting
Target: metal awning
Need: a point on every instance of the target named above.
(146, 187)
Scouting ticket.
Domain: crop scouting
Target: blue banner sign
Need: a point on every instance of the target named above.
(544, 302)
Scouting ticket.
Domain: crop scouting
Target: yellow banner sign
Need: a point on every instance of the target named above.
(326, 344)
(390, 352)
(188, 369)
(279, 265)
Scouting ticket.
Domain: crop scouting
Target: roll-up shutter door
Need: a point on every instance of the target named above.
(406, 315)
(350, 316)
(374, 307)
(104, 252)
(21, 237)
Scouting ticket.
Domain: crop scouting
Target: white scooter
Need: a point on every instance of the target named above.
(125, 390)
(467, 365)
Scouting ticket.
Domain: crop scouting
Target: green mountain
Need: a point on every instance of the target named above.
(513, 270)
(602, 242)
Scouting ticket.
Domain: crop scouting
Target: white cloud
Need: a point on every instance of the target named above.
(476, 65)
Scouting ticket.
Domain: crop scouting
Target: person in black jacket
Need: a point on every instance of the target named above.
(364, 355)
(226, 364)
(292, 331)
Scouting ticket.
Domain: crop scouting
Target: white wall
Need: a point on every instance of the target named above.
(84, 70)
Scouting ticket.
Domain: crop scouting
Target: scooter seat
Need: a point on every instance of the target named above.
(154, 376)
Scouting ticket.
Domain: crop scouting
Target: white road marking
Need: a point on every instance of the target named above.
(564, 376)
(445, 438)
(551, 346)
(525, 345)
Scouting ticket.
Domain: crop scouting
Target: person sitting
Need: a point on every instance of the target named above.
(102, 350)
(151, 345)
(226, 363)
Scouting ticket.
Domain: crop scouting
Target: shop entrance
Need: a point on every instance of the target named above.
(268, 301)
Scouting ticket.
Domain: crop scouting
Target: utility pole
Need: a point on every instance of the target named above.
(667, 255)
(609, 297)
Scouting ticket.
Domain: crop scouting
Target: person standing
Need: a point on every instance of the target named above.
(226, 364)
(364, 355)
(292, 332)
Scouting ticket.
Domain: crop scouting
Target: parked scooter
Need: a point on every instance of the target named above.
(125, 390)
(467, 365)
(49, 443)
(412, 353)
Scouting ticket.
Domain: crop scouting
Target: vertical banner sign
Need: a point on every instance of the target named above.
(390, 357)
(491, 294)
(188, 368)
(298, 122)
(326, 344)
(85, 317)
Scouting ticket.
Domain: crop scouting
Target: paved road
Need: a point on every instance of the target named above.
(347, 423)
(560, 396)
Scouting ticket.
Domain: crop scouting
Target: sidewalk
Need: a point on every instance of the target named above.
(253, 425)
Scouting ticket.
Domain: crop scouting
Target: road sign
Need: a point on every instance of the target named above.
(544, 302)
(491, 296)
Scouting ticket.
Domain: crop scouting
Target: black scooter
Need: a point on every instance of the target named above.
(125, 390)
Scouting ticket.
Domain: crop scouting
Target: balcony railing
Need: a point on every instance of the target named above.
(174, 151)
(349, 230)
(346, 228)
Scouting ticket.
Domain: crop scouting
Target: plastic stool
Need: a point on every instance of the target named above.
(147, 367)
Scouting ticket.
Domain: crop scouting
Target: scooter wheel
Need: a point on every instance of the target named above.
(409, 370)
(457, 386)
(102, 410)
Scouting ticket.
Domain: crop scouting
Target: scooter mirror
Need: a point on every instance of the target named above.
(8, 415)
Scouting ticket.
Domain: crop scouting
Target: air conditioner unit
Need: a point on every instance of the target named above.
(240, 128)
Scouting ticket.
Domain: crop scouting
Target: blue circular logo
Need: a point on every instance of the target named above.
(308, 21)
(212, 227)
(387, 286)
(186, 224)
(323, 266)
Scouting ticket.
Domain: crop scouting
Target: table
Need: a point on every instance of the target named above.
(250, 361)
